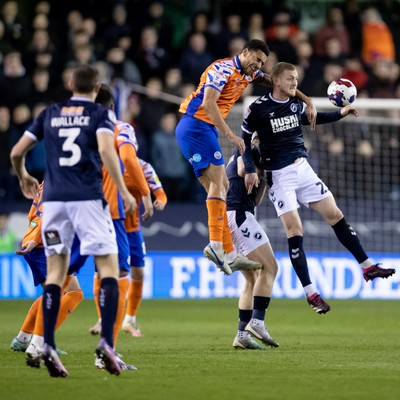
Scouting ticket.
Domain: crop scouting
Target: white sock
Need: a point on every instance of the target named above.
(24, 337)
(129, 319)
(216, 244)
(230, 257)
(367, 263)
(310, 290)
(37, 341)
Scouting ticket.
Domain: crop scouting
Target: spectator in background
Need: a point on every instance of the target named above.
(21, 118)
(15, 84)
(333, 28)
(62, 91)
(390, 12)
(195, 59)
(331, 71)
(13, 24)
(351, 16)
(333, 52)
(354, 71)
(39, 44)
(8, 134)
(256, 29)
(282, 18)
(173, 81)
(8, 240)
(377, 40)
(279, 37)
(382, 79)
(157, 18)
(200, 23)
(232, 29)
(152, 108)
(40, 92)
(151, 59)
(74, 24)
(236, 45)
(119, 26)
(312, 69)
(122, 67)
(168, 161)
(84, 55)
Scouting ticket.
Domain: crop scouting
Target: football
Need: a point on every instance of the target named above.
(342, 92)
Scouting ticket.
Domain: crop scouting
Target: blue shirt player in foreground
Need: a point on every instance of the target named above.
(79, 137)
(277, 117)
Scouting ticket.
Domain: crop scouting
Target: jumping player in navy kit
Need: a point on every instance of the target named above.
(277, 117)
(79, 138)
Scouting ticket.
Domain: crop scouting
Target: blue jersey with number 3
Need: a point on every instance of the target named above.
(73, 162)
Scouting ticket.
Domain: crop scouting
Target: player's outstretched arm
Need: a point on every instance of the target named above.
(110, 160)
(29, 184)
(350, 109)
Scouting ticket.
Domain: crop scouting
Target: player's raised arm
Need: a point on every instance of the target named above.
(211, 108)
(110, 160)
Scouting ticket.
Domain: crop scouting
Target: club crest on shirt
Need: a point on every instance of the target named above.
(293, 107)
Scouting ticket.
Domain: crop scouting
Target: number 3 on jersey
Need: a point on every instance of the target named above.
(69, 145)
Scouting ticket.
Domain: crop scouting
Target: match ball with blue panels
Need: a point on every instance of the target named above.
(342, 92)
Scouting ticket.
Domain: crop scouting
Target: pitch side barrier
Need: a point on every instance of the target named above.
(183, 275)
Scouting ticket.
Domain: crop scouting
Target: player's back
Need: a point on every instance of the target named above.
(73, 162)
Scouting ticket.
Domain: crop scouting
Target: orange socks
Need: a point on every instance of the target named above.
(123, 286)
(216, 208)
(227, 237)
(134, 297)
(29, 324)
(68, 304)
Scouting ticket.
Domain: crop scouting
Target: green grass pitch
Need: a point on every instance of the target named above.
(351, 353)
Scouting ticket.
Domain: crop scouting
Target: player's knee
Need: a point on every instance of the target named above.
(137, 274)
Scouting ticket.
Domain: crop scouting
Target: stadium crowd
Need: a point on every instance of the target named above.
(152, 53)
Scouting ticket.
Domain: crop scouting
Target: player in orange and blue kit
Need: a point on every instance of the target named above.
(221, 85)
(125, 142)
(30, 337)
(137, 244)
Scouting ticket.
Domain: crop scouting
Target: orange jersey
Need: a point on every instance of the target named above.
(125, 143)
(132, 222)
(225, 76)
(35, 220)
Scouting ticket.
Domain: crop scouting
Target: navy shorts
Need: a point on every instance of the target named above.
(36, 260)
